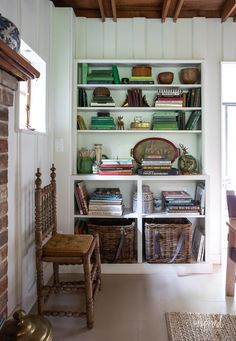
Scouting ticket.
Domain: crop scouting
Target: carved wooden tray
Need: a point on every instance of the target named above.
(155, 145)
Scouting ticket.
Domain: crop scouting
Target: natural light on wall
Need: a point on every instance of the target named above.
(32, 95)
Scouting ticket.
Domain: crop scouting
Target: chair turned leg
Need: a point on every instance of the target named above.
(39, 274)
(88, 292)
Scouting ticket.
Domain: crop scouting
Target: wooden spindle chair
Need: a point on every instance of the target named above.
(63, 249)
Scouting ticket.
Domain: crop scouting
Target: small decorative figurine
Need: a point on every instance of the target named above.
(187, 163)
(120, 123)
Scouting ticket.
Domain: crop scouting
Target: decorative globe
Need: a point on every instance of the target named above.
(9, 33)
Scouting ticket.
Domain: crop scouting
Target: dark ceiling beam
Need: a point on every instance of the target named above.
(165, 10)
(101, 8)
(113, 7)
(177, 10)
(228, 9)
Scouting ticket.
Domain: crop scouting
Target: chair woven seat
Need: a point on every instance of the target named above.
(67, 245)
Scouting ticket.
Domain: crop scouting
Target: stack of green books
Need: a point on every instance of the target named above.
(100, 77)
(102, 123)
(141, 80)
(165, 120)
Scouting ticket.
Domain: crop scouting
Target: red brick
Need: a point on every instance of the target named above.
(3, 208)
(3, 238)
(3, 253)
(8, 80)
(3, 161)
(3, 313)
(8, 97)
(3, 301)
(3, 114)
(3, 284)
(3, 193)
(4, 129)
(3, 177)
(3, 268)
(3, 146)
(3, 223)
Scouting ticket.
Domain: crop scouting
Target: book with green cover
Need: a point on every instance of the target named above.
(193, 120)
(84, 73)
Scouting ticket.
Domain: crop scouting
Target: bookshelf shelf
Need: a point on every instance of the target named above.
(119, 144)
(135, 109)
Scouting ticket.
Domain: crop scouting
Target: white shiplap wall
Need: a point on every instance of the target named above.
(196, 38)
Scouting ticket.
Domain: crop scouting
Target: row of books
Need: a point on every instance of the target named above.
(110, 201)
(162, 120)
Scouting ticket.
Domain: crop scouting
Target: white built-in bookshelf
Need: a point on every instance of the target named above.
(119, 143)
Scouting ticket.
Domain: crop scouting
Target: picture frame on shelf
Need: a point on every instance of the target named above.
(200, 197)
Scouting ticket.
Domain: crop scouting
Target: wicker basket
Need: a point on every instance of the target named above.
(168, 240)
(117, 239)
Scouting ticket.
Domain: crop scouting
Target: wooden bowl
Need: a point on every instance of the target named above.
(142, 71)
(189, 75)
(101, 91)
(165, 77)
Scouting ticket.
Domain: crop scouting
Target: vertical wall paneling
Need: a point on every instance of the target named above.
(139, 38)
(95, 39)
(212, 126)
(27, 170)
(154, 39)
(29, 18)
(9, 9)
(228, 36)
(109, 51)
(80, 38)
(62, 75)
(199, 38)
(169, 39)
(44, 30)
(124, 39)
(183, 42)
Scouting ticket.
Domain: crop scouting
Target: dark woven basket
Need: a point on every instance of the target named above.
(168, 240)
(117, 239)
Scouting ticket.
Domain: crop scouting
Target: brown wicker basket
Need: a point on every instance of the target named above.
(117, 239)
(168, 240)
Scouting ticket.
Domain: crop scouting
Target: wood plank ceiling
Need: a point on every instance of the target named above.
(154, 9)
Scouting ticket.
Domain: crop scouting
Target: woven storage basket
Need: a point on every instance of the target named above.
(168, 240)
(117, 239)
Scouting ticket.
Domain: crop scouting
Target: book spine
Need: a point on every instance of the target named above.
(84, 73)
(83, 196)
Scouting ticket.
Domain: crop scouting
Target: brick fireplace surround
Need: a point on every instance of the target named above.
(13, 68)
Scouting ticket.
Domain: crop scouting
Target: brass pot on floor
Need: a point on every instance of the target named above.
(26, 327)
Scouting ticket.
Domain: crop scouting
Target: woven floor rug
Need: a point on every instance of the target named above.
(201, 327)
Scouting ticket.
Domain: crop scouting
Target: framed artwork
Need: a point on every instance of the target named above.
(200, 197)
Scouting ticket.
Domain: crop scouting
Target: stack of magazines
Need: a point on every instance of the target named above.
(106, 202)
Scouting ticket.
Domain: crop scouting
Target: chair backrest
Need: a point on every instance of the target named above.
(45, 207)
(231, 202)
